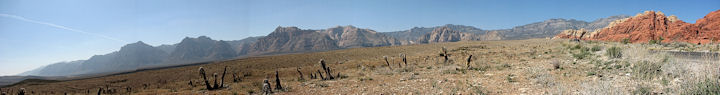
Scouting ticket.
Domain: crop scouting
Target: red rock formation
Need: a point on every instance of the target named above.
(652, 25)
(709, 27)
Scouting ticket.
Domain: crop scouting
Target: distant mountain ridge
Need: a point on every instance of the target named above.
(294, 40)
(544, 29)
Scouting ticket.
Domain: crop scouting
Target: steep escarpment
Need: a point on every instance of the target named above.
(422, 34)
(292, 39)
(652, 25)
(351, 36)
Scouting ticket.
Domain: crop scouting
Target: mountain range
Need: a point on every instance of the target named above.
(283, 40)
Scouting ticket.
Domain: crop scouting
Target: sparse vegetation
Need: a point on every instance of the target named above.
(493, 69)
(704, 87)
(614, 52)
(646, 70)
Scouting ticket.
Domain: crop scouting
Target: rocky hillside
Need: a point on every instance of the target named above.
(201, 49)
(442, 34)
(655, 26)
(552, 27)
(350, 36)
(547, 28)
(418, 33)
(140, 55)
(292, 39)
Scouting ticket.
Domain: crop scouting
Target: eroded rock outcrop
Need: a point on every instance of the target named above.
(652, 25)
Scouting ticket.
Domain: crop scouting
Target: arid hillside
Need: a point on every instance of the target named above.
(535, 66)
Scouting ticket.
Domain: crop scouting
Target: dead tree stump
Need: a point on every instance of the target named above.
(278, 86)
(387, 62)
(444, 50)
(321, 76)
(327, 70)
(100, 91)
(404, 59)
(222, 79)
(215, 83)
(22, 91)
(202, 73)
(215, 76)
(301, 75)
(469, 60)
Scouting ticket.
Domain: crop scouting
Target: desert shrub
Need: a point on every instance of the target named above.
(653, 42)
(509, 78)
(582, 55)
(503, 66)
(642, 90)
(365, 79)
(406, 69)
(625, 41)
(596, 48)
(647, 70)
(705, 87)
(591, 73)
(555, 64)
(480, 67)
(614, 52)
(577, 46)
(450, 71)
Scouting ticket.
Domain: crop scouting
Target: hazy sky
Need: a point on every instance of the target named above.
(34, 33)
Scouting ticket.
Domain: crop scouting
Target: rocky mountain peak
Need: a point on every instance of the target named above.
(136, 45)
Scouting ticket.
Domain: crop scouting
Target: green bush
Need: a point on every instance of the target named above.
(614, 52)
(582, 55)
(596, 48)
(578, 46)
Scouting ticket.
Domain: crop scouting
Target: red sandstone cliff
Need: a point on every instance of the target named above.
(652, 25)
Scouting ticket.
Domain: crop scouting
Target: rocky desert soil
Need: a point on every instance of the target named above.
(535, 66)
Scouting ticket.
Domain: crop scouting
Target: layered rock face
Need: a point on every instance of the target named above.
(292, 39)
(419, 34)
(652, 25)
(442, 34)
(350, 36)
(709, 27)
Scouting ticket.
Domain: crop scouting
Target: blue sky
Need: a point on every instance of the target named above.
(34, 33)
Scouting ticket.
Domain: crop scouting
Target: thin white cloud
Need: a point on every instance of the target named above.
(60, 27)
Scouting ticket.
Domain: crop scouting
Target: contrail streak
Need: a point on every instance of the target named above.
(60, 26)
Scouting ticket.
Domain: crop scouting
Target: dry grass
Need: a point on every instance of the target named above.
(535, 66)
